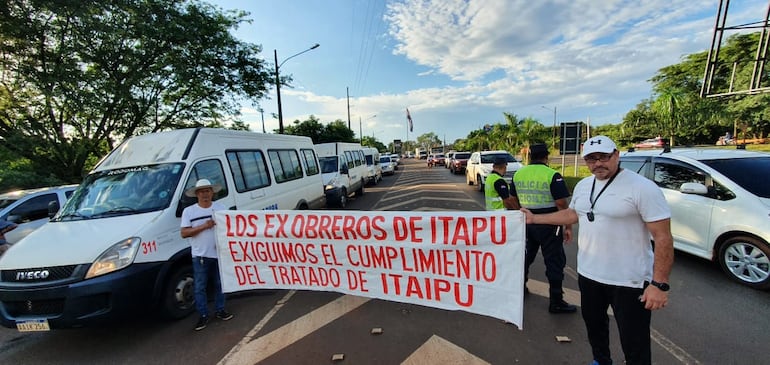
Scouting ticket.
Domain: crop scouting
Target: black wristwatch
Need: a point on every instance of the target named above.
(661, 286)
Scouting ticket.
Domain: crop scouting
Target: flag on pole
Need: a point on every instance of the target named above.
(409, 118)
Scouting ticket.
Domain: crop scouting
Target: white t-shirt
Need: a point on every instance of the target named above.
(204, 243)
(615, 248)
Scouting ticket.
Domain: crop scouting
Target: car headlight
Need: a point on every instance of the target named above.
(115, 258)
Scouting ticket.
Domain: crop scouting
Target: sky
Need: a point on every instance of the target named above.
(458, 65)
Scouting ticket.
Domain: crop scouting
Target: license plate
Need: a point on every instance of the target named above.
(33, 325)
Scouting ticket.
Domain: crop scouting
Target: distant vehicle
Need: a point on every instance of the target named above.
(387, 164)
(32, 208)
(448, 158)
(396, 158)
(420, 153)
(374, 174)
(480, 166)
(344, 171)
(720, 201)
(459, 162)
(657, 142)
(436, 159)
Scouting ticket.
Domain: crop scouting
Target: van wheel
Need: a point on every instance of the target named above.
(479, 184)
(178, 298)
(360, 191)
(343, 200)
(747, 261)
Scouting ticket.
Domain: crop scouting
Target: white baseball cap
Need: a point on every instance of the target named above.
(600, 144)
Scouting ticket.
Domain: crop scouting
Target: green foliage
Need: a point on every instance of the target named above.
(336, 131)
(80, 76)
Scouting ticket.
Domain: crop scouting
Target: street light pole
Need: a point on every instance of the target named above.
(278, 82)
(262, 113)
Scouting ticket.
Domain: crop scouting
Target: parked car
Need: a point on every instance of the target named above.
(396, 159)
(32, 208)
(459, 162)
(448, 159)
(436, 159)
(656, 142)
(480, 165)
(387, 165)
(720, 202)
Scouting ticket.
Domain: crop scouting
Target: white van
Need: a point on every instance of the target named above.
(344, 171)
(374, 170)
(114, 249)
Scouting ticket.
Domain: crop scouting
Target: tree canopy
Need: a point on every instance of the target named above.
(78, 76)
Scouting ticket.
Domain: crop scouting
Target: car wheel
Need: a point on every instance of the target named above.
(747, 261)
(479, 184)
(179, 294)
(360, 191)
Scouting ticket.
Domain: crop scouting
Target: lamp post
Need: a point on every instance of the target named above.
(360, 129)
(278, 82)
(553, 130)
(262, 113)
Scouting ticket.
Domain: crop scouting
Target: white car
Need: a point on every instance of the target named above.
(480, 165)
(720, 204)
(387, 165)
(32, 208)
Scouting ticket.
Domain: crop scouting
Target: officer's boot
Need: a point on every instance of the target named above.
(558, 305)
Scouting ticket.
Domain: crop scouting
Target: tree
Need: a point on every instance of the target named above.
(428, 141)
(373, 142)
(77, 76)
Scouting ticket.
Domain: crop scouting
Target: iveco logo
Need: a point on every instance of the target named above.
(32, 275)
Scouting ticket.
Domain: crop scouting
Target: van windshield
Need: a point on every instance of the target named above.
(126, 191)
(328, 164)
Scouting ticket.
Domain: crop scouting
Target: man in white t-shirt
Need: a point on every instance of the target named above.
(198, 225)
(619, 211)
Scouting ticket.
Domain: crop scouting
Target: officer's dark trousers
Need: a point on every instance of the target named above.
(544, 237)
(632, 319)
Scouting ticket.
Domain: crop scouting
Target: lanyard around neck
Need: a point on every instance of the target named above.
(593, 186)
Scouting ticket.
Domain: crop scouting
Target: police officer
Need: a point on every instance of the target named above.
(496, 190)
(541, 189)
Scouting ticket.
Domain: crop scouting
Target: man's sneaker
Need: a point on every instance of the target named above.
(202, 322)
(561, 307)
(224, 315)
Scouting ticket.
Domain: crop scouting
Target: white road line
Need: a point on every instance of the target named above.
(253, 349)
(440, 351)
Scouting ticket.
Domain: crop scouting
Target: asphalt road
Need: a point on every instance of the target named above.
(710, 320)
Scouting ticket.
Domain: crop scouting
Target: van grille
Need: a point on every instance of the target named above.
(34, 307)
(38, 275)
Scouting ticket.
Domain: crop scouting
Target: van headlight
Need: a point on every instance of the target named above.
(115, 258)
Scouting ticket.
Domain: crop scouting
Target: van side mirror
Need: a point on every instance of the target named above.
(14, 218)
(53, 208)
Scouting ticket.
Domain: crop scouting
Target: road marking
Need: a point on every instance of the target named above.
(440, 351)
(253, 349)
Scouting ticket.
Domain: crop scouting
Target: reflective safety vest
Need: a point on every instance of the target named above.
(533, 186)
(493, 200)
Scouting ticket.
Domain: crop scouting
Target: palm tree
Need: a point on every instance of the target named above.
(668, 108)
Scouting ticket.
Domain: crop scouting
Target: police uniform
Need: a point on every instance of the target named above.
(495, 191)
(537, 187)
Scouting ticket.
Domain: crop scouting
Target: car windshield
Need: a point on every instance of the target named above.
(461, 156)
(328, 164)
(385, 159)
(490, 158)
(134, 190)
(749, 173)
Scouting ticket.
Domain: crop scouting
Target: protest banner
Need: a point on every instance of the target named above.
(470, 261)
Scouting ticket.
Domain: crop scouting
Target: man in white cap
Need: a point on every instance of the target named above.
(619, 211)
(198, 225)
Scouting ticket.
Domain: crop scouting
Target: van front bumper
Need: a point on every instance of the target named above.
(65, 303)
